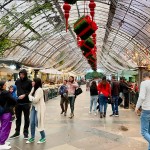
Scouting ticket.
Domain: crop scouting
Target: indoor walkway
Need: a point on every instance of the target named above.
(86, 131)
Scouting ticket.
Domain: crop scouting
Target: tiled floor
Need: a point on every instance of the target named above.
(86, 131)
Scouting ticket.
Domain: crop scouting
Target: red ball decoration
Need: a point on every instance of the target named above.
(66, 8)
(94, 35)
(78, 41)
(92, 6)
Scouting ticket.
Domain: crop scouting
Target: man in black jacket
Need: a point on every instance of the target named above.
(115, 88)
(24, 86)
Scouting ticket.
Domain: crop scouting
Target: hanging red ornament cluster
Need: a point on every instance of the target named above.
(84, 27)
(66, 8)
(92, 6)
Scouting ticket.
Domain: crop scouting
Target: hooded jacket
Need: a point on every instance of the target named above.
(24, 86)
(14, 95)
(7, 101)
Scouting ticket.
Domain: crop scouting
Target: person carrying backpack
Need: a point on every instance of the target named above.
(64, 97)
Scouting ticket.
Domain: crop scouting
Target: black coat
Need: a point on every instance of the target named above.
(24, 86)
(93, 91)
(7, 101)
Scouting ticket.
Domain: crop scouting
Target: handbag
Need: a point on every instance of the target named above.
(109, 100)
(78, 91)
(119, 101)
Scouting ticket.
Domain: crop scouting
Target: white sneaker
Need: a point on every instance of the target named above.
(95, 114)
(2, 147)
(89, 112)
(7, 143)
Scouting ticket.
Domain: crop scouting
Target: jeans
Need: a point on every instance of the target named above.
(93, 100)
(64, 102)
(34, 123)
(71, 101)
(26, 110)
(102, 103)
(115, 104)
(145, 125)
(5, 126)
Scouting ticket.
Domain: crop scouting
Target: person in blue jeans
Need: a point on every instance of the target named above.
(94, 97)
(104, 91)
(115, 90)
(37, 116)
(71, 86)
(144, 102)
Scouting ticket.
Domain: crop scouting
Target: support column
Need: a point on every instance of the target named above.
(141, 70)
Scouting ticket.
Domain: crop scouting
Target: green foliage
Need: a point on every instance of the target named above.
(5, 22)
(26, 19)
(93, 75)
(5, 43)
(61, 62)
(38, 8)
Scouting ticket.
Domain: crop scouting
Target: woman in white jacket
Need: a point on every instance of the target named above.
(37, 111)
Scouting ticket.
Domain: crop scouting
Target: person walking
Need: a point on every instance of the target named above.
(24, 86)
(115, 88)
(72, 85)
(64, 97)
(126, 89)
(37, 116)
(94, 97)
(7, 102)
(144, 102)
(104, 91)
(121, 91)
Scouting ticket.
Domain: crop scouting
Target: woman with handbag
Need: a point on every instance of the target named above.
(7, 102)
(104, 91)
(37, 115)
(72, 85)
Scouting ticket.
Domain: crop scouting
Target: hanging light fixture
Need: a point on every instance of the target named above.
(66, 8)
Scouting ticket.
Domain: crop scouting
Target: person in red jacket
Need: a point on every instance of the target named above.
(104, 92)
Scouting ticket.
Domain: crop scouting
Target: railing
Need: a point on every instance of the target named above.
(50, 93)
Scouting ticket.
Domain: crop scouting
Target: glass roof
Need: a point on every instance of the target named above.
(33, 33)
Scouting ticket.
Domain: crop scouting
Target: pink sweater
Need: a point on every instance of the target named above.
(71, 88)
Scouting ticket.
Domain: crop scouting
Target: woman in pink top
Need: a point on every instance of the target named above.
(72, 85)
